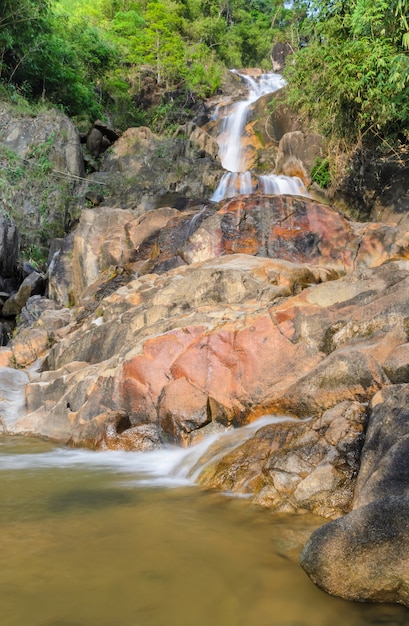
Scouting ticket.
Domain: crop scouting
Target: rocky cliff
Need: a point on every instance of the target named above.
(169, 317)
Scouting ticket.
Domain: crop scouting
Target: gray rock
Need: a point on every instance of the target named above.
(94, 142)
(22, 133)
(9, 247)
(385, 457)
(364, 555)
(298, 147)
(32, 285)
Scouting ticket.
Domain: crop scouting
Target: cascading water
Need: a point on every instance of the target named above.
(238, 179)
(168, 466)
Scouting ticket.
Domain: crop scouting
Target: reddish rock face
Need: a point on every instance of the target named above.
(296, 229)
(280, 305)
(289, 228)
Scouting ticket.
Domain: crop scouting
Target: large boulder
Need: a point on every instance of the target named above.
(274, 466)
(384, 467)
(42, 168)
(320, 347)
(364, 556)
(279, 54)
(296, 229)
(298, 153)
(188, 321)
(287, 227)
(104, 241)
(200, 141)
(140, 167)
(50, 132)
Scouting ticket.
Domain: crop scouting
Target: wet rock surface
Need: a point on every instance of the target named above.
(248, 322)
(170, 317)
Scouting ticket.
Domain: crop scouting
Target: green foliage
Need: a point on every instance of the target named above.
(36, 255)
(320, 173)
(41, 157)
(34, 199)
(83, 55)
(353, 76)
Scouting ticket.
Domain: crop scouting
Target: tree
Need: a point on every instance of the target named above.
(21, 22)
(353, 75)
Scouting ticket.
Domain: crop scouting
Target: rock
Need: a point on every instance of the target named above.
(22, 133)
(297, 154)
(111, 134)
(100, 138)
(32, 285)
(376, 187)
(273, 464)
(102, 241)
(15, 303)
(384, 467)
(60, 274)
(31, 345)
(200, 139)
(179, 418)
(94, 197)
(43, 159)
(153, 336)
(396, 366)
(279, 55)
(363, 556)
(9, 248)
(39, 322)
(137, 438)
(296, 229)
(95, 142)
(140, 167)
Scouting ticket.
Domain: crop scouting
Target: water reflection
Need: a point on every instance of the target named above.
(90, 499)
(86, 546)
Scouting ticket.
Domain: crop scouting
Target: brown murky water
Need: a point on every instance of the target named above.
(91, 539)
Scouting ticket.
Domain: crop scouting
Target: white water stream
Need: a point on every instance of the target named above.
(237, 180)
(168, 466)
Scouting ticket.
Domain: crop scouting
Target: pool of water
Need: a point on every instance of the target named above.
(113, 539)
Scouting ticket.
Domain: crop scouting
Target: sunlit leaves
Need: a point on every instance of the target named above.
(353, 76)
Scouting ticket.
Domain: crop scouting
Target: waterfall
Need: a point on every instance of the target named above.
(169, 466)
(237, 180)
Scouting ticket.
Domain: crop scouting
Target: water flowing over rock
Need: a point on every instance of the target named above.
(233, 330)
(239, 144)
(172, 318)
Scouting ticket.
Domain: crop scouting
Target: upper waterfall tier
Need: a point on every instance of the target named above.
(233, 147)
(232, 155)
